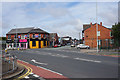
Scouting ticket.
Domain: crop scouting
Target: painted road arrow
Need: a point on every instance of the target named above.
(38, 62)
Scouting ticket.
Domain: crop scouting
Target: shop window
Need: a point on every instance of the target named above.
(22, 45)
(22, 36)
(33, 43)
(9, 36)
(44, 43)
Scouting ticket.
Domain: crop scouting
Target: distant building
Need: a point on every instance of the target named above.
(27, 38)
(89, 35)
(66, 40)
(53, 39)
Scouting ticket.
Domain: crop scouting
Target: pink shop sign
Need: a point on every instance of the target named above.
(23, 40)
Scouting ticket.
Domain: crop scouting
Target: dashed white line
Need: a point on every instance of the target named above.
(87, 60)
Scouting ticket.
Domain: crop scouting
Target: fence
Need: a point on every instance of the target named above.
(107, 44)
(9, 63)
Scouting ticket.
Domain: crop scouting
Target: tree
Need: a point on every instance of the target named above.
(116, 34)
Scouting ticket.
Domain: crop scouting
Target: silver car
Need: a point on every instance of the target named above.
(83, 46)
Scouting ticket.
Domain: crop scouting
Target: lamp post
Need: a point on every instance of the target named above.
(16, 37)
(96, 26)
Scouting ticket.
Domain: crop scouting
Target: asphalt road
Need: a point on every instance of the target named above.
(71, 63)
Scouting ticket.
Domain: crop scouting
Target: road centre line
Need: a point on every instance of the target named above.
(49, 70)
(87, 60)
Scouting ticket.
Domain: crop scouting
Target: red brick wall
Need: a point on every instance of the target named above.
(90, 35)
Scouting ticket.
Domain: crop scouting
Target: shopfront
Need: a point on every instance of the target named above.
(23, 44)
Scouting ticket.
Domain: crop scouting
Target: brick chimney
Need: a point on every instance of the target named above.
(101, 23)
(91, 23)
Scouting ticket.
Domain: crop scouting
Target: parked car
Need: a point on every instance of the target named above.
(83, 46)
(59, 45)
(55, 46)
(72, 45)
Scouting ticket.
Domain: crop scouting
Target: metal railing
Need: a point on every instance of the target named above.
(9, 63)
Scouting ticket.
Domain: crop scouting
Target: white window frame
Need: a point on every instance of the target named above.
(22, 36)
(98, 33)
(39, 36)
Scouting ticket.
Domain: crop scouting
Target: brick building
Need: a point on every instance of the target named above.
(89, 35)
(53, 39)
(27, 38)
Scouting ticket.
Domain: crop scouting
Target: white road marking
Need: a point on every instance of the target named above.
(87, 60)
(26, 77)
(35, 75)
(41, 78)
(49, 70)
(31, 73)
(38, 62)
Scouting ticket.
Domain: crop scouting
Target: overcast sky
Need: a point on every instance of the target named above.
(65, 18)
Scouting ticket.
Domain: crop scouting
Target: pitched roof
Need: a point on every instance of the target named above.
(27, 30)
(86, 26)
(20, 30)
(38, 30)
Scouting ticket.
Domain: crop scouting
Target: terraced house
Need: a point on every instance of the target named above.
(24, 38)
(89, 35)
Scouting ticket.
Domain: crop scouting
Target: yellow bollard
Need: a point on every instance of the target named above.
(18, 49)
(5, 50)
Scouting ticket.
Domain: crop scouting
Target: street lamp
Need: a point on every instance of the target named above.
(96, 26)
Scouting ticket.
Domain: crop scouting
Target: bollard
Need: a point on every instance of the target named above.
(5, 50)
(13, 62)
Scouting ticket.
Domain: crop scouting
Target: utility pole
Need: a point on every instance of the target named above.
(79, 37)
(96, 26)
(16, 36)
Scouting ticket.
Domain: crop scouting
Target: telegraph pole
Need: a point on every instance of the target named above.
(79, 37)
(96, 26)
(16, 36)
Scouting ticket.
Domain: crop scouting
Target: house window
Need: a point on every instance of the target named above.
(111, 41)
(22, 36)
(9, 36)
(27, 35)
(44, 36)
(98, 33)
(33, 35)
(111, 34)
(39, 36)
(15, 36)
(99, 42)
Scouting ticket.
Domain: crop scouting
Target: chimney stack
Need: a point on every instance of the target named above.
(91, 23)
(101, 23)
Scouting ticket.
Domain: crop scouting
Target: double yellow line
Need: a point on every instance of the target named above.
(26, 74)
